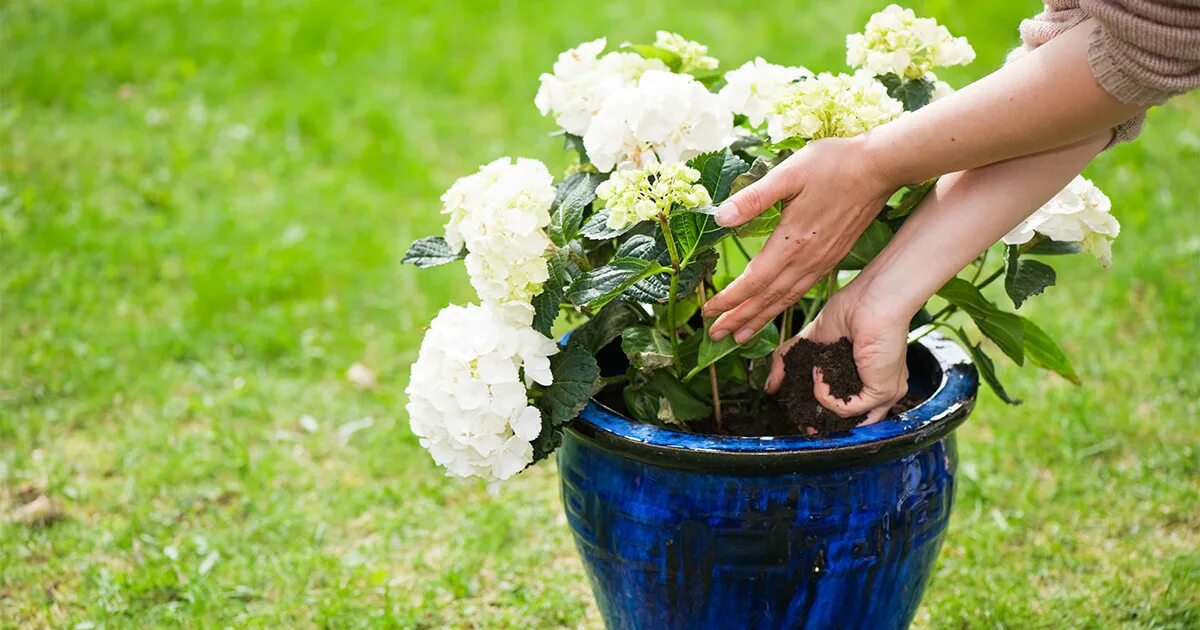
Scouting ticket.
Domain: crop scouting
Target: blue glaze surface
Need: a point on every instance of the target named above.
(669, 545)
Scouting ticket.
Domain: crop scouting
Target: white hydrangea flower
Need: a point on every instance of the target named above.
(896, 41)
(666, 117)
(694, 55)
(582, 80)
(638, 195)
(499, 214)
(831, 105)
(750, 89)
(467, 402)
(1080, 213)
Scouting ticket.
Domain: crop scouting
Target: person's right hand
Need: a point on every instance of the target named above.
(832, 189)
(880, 337)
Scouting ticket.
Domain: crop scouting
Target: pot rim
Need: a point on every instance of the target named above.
(895, 436)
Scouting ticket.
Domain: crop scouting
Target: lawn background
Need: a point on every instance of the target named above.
(203, 206)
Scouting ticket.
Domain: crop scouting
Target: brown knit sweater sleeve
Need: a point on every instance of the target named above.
(1144, 51)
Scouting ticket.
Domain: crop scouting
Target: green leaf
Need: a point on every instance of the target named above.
(712, 351)
(1043, 352)
(605, 326)
(912, 93)
(546, 303)
(596, 227)
(791, 144)
(641, 403)
(1025, 278)
(757, 171)
(1047, 247)
(872, 241)
(763, 224)
(912, 197)
(572, 142)
(694, 232)
(986, 368)
(718, 171)
(662, 397)
(744, 140)
(763, 344)
(657, 288)
(431, 251)
(642, 246)
(646, 348)
(575, 378)
(597, 287)
(566, 214)
(649, 51)
(1006, 329)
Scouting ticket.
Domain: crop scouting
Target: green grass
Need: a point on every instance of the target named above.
(202, 211)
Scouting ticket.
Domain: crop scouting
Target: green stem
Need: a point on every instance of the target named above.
(674, 289)
(785, 329)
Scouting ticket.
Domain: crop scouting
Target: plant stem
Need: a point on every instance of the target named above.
(979, 268)
(712, 367)
(785, 329)
(674, 289)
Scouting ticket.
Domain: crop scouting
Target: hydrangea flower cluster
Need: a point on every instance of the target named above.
(693, 55)
(896, 41)
(582, 80)
(1080, 213)
(467, 400)
(499, 214)
(638, 195)
(751, 89)
(831, 105)
(666, 117)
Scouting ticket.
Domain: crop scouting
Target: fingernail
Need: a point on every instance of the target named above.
(743, 335)
(718, 334)
(726, 214)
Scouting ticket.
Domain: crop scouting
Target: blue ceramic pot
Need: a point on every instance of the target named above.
(681, 530)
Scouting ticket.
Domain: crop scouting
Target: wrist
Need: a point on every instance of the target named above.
(886, 293)
(877, 148)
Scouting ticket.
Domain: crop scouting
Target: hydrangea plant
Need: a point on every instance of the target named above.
(623, 250)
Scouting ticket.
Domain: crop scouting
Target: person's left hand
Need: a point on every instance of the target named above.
(879, 333)
(833, 189)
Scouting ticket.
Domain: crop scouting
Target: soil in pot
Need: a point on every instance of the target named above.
(836, 362)
(795, 411)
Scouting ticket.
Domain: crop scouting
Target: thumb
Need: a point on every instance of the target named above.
(753, 200)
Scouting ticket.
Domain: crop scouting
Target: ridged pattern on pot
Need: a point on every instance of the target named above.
(669, 548)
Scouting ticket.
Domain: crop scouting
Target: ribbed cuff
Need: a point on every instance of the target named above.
(1115, 77)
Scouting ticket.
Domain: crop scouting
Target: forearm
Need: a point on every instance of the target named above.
(1047, 99)
(965, 214)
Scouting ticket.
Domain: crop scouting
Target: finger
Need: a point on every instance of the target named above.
(875, 415)
(864, 401)
(775, 377)
(750, 316)
(760, 273)
(752, 200)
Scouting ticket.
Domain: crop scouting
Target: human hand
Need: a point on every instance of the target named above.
(832, 190)
(879, 333)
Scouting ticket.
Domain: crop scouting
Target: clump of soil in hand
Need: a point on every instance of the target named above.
(836, 361)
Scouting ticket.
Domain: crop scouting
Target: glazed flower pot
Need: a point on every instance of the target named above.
(680, 530)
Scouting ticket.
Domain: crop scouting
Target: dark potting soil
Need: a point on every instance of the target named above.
(795, 411)
(836, 362)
